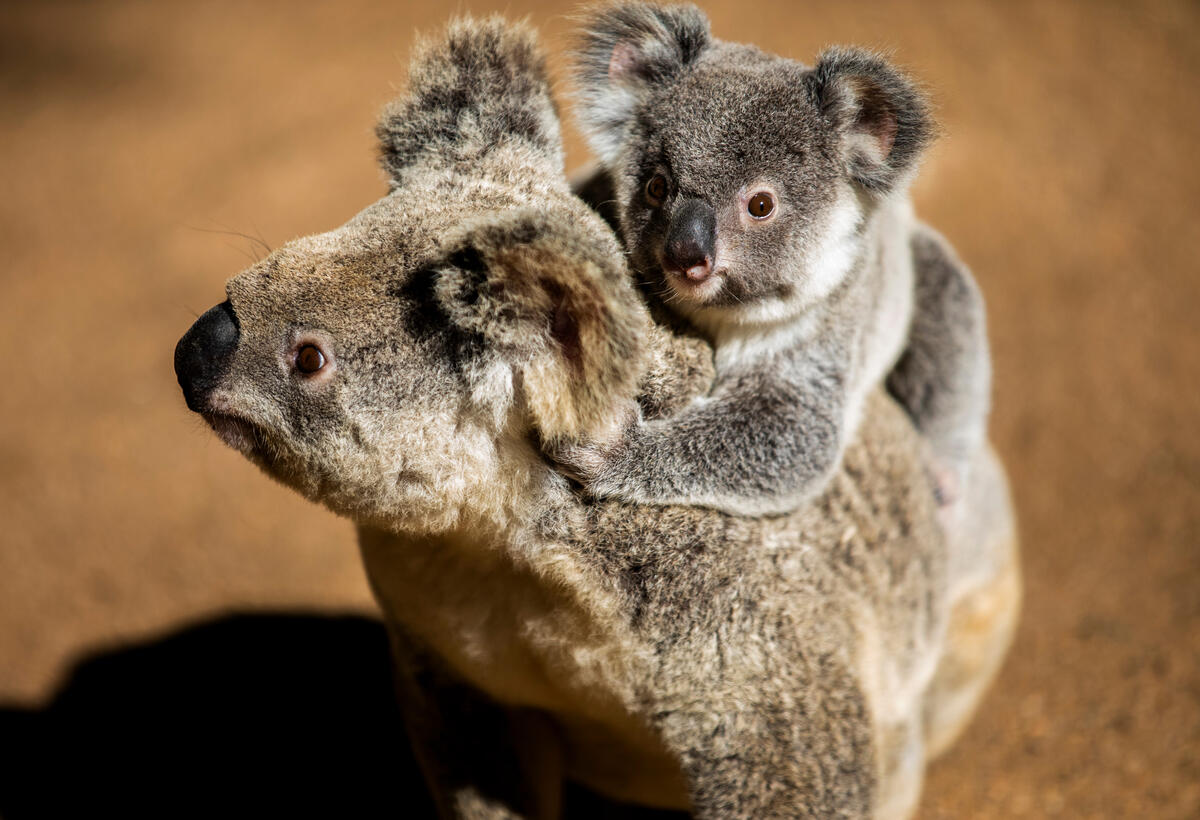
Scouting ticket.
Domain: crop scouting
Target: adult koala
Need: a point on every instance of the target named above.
(405, 370)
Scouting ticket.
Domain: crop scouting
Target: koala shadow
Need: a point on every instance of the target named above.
(244, 715)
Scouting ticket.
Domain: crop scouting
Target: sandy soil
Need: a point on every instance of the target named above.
(138, 139)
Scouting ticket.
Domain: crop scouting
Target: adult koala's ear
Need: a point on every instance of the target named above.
(479, 87)
(882, 118)
(626, 52)
(555, 305)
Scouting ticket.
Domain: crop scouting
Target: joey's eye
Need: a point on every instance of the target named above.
(656, 190)
(309, 359)
(761, 205)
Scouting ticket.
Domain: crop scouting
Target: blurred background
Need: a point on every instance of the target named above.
(148, 151)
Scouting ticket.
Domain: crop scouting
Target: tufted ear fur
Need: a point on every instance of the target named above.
(555, 304)
(627, 51)
(479, 86)
(882, 117)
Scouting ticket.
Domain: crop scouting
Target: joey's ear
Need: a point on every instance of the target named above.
(626, 51)
(881, 115)
(479, 85)
(555, 303)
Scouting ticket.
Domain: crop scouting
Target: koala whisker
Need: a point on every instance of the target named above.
(666, 294)
(256, 241)
(253, 259)
(262, 242)
(668, 298)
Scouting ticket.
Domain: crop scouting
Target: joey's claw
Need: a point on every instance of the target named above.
(589, 459)
(582, 462)
(946, 483)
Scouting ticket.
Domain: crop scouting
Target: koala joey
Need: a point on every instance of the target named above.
(408, 368)
(765, 203)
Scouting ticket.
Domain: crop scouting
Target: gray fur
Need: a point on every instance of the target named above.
(943, 378)
(813, 306)
(482, 93)
(670, 656)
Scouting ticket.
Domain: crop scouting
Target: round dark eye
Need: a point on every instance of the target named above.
(309, 359)
(656, 189)
(761, 205)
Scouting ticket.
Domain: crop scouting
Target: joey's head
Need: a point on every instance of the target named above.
(403, 368)
(745, 181)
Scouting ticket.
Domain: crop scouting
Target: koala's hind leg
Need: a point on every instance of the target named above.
(985, 601)
(943, 378)
(771, 761)
(481, 761)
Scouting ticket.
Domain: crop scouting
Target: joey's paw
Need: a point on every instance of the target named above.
(945, 473)
(584, 461)
(948, 483)
(595, 460)
(944, 489)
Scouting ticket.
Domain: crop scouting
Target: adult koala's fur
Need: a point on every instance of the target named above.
(405, 370)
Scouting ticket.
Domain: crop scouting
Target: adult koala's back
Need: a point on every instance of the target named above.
(405, 370)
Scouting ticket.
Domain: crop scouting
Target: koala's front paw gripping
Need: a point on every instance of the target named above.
(597, 460)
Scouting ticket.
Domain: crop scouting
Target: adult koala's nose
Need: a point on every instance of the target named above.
(203, 355)
(691, 240)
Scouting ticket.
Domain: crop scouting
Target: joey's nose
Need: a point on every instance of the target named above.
(203, 355)
(698, 273)
(691, 240)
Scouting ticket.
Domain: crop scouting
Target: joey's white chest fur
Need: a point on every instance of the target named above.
(869, 320)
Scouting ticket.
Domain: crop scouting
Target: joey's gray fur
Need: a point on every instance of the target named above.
(809, 306)
(407, 370)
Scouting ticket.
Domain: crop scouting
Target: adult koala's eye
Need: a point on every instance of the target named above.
(309, 359)
(761, 205)
(656, 190)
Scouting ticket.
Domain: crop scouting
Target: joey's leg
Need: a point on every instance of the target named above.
(943, 377)
(985, 586)
(481, 761)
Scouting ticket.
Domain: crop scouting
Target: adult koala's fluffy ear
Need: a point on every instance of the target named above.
(555, 305)
(627, 51)
(479, 87)
(883, 119)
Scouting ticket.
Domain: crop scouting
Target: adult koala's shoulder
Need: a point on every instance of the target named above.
(406, 370)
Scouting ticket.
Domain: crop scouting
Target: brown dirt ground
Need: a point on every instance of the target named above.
(133, 133)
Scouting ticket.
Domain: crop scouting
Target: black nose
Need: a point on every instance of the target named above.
(691, 239)
(203, 354)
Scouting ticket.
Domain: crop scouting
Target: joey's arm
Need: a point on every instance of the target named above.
(761, 443)
(943, 378)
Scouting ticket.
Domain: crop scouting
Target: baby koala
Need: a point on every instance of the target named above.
(764, 202)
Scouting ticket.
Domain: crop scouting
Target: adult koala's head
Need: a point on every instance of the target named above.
(402, 367)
